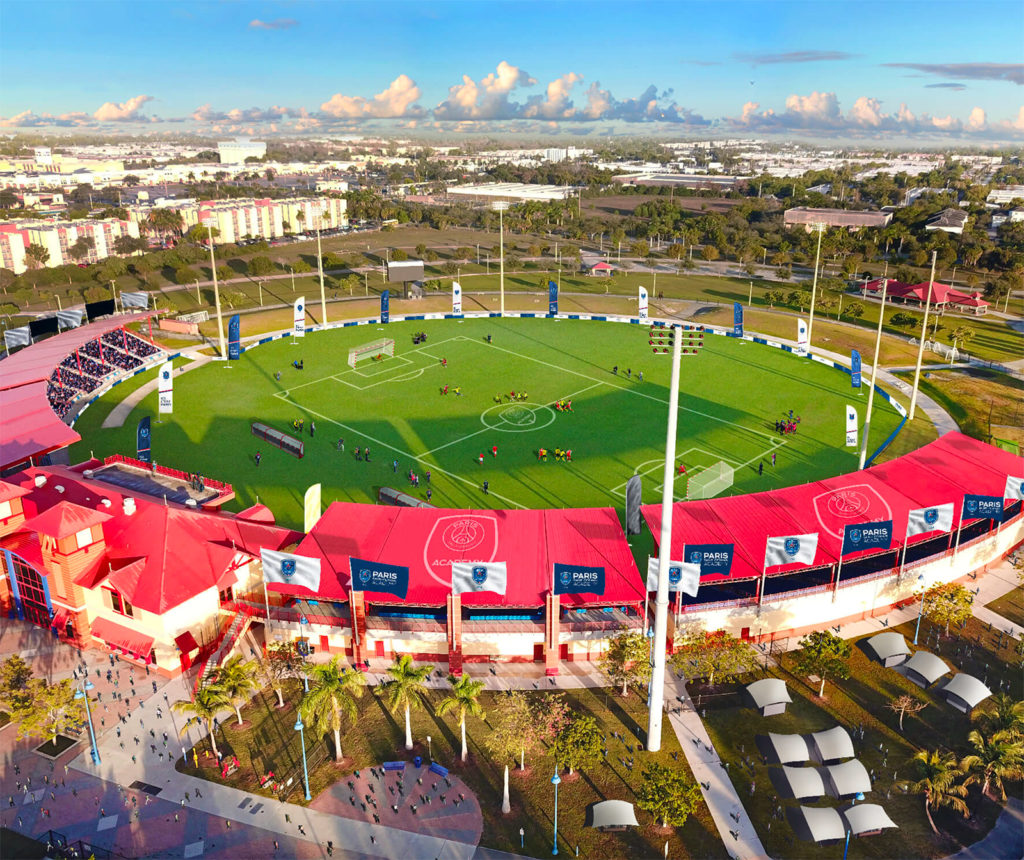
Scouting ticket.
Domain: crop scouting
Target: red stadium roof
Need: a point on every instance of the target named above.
(428, 540)
(30, 427)
(936, 474)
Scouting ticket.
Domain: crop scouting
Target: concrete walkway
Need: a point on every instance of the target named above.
(1004, 842)
(119, 414)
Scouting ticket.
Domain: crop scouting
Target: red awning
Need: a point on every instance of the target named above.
(186, 642)
(60, 619)
(118, 636)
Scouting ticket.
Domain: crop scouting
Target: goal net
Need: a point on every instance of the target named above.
(713, 480)
(371, 351)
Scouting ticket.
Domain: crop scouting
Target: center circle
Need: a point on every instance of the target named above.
(517, 417)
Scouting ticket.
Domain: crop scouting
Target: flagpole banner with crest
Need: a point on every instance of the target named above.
(737, 319)
(299, 318)
(1014, 488)
(385, 306)
(682, 576)
(143, 443)
(480, 576)
(552, 298)
(234, 338)
(377, 576)
(982, 508)
(855, 369)
(166, 388)
(938, 518)
(291, 569)
(712, 558)
(851, 426)
(801, 337)
(578, 579)
(642, 307)
(791, 549)
(456, 297)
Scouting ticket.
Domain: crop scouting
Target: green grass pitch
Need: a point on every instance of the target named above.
(730, 396)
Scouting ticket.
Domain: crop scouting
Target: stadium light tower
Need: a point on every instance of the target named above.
(820, 227)
(924, 334)
(501, 206)
(208, 221)
(319, 209)
(874, 372)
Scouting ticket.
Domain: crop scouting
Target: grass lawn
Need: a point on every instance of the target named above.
(861, 701)
(1010, 606)
(731, 395)
(268, 739)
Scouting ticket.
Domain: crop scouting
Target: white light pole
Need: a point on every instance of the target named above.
(501, 206)
(208, 221)
(924, 334)
(319, 211)
(814, 285)
(657, 696)
(874, 371)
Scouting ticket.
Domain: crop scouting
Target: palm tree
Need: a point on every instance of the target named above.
(405, 689)
(994, 759)
(465, 699)
(209, 701)
(333, 690)
(1007, 716)
(938, 783)
(235, 679)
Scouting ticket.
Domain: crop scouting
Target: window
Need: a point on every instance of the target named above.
(84, 538)
(34, 601)
(5, 510)
(227, 595)
(120, 604)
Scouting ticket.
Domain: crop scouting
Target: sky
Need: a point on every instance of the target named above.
(893, 72)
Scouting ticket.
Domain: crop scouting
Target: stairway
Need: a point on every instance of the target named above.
(235, 631)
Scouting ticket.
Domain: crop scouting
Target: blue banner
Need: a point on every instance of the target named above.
(234, 338)
(377, 576)
(385, 307)
(552, 297)
(982, 508)
(855, 368)
(712, 557)
(737, 319)
(578, 579)
(877, 535)
(143, 445)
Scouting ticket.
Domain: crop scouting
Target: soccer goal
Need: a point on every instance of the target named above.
(713, 480)
(372, 351)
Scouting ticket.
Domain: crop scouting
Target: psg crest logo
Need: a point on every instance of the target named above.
(675, 574)
(166, 374)
(364, 575)
(855, 535)
(931, 516)
(565, 577)
(287, 567)
(792, 546)
(479, 575)
(972, 506)
(298, 309)
(696, 557)
(143, 432)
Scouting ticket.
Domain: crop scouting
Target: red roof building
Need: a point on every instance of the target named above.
(942, 295)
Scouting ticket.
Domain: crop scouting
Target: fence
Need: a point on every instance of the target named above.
(165, 470)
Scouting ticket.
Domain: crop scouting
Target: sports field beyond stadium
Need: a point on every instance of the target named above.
(731, 395)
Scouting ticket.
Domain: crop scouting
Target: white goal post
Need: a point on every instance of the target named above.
(710, 482)
(371, 350)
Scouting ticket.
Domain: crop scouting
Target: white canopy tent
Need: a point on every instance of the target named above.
(816, 824)
(847, 779)
(965, 692)
(788, 749)
(611, 813)
(801, 783)
(866, 819)
(832, 745)
(769, 695)
(890, 649)
(924, 668)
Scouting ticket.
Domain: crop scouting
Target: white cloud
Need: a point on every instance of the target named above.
(276, 24)
(817, 108)
(557, 105)
(124, 112)
(488, 99)
(977, 120)
(397, 100)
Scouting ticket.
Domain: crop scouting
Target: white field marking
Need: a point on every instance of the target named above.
(402, 358)
(417, 459)
(632, 390)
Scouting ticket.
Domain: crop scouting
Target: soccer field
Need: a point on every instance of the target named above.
(731, 394)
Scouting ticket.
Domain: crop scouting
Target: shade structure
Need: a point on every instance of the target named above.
(769, 695)
(611, 813)
(924, 668)
(847, 779)
(816, 824)
(890, 649)
(832, 745)
(118, 636)
(964, 692)
(865, 818)
(799, 783)
(787, 749)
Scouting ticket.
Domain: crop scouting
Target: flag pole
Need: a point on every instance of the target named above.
(959, 529)
(924, 334)
(266, 601)
(839, 573)
(874, 372)
(764, 576)
(903, 560)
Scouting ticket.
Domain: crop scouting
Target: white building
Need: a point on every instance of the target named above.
(237, 151)
(58, 237)
(1007, 194)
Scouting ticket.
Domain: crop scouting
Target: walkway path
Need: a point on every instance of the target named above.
(119, 414)
(1004, 842)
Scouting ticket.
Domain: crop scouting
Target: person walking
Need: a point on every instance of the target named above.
(487, 487)
(760, 468)
(259, 456)
(312, 428)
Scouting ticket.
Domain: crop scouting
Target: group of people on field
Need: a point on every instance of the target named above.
(787, 426)
(558, 453)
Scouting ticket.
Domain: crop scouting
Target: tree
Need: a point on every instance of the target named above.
(749, 268)
(464, 699)
(333, 691)
(260, 266)
(1006, 716)
(640, 249)
(854, 310)
(278, 668)
(235, 680)
(509, 735)
(962, 334)
(701, 654)
(824, 654)
(37, 256)
(939, 773)
(949, 603)
(169, 222)
(184, 275)
(398, 255)
(709, 253)
(81, 247)
(15, 694)
(626, 660)
(232, 298)
(774, 297)
(405, 688)
(208, 702)
(579, 744)
(995, 759)
(906, 705)
(667, 794)
(52, 711)
(901, 319)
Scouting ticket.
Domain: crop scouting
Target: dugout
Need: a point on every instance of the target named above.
(268, 434)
